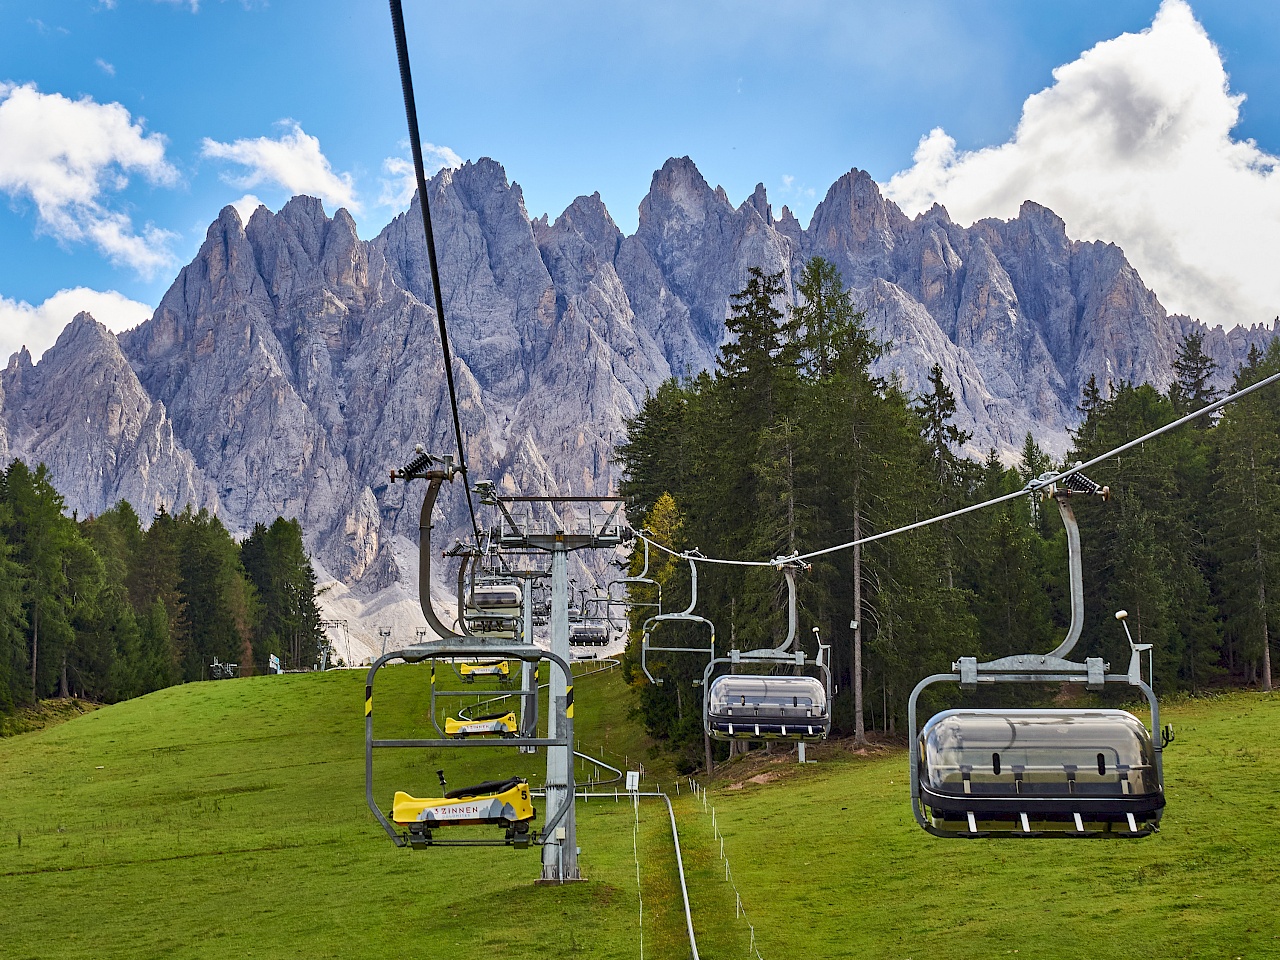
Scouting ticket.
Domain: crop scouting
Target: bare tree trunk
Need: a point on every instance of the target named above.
(859, 728)
(791, 497)
(35, 645)
(64, 691)
(706, 746)
(1260, 562)
(1266, 636)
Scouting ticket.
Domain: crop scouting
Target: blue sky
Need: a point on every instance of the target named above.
(125, 125)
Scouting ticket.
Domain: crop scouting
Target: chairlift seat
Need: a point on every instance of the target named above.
(746, 707)
(1051, 765)
(502, 802)
(504, 598)
(588, 635)
(492, 724)
(494, 609)
(496, 668)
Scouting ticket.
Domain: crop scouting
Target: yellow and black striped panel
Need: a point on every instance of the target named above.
(568, 703)
(368, 700)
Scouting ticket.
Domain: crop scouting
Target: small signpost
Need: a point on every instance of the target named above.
(633, 781)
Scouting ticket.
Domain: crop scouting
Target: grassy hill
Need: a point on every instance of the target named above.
(228, 819)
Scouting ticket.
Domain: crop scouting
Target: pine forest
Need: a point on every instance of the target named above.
(105, 610)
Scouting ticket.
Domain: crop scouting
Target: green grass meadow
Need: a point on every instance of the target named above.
(228, 819)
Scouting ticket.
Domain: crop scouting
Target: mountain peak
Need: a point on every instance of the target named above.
(20, 361)
(228, 222)
(759, 202)
(590, 217)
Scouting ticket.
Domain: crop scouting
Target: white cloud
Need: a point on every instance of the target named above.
(38, 327)
(108, 68)
(68, 157)
(294, 162)
(246, 205)
(400, 183)
(1132, 144)
(44, 29)
(795, 192)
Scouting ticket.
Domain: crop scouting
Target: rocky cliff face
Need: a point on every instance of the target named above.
(83, 412)
(291, 363)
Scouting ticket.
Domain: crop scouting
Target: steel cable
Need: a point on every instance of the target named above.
(419, 171)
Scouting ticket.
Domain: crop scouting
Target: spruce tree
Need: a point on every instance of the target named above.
(1247, 514)
(43, 539)
(1193, 369)
(13, 623)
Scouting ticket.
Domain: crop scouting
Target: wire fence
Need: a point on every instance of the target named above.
(635, 850)
(635, 796)
(739, 911)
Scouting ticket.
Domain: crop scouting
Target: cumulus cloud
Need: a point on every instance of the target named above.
(37, 327)
(400, 183)
(1132, 143)
(246, 205)
(69, 158)
(294, 162)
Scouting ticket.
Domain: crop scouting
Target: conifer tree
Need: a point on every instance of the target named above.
(850, 421)
(276, 562)
(1247, 513)
(12, 623)
(221, 604)
(1193, 369)
(43, 539)
(937, 409)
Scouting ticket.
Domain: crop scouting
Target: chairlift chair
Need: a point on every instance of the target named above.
(586, 633)
(494, 608)
(770, 706)
(757, 707)
(491, 724)
(1058, 768)
(684, 616)
(470, 671)
(411, 820)
(626, 582)
(503, 803)
(1078, 773)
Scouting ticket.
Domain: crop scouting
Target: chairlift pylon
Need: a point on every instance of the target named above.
(1077, 773)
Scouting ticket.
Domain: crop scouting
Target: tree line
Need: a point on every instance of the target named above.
(106, 609)
(792, 444)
